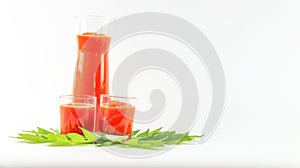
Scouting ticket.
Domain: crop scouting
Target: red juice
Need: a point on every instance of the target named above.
(117, 118)
(73, 116)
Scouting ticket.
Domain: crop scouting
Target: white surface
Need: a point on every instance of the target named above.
(257, 42)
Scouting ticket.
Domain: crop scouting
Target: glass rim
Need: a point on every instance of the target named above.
(121, 97)
(78, 97)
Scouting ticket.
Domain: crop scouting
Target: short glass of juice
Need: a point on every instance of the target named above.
(77, 111)
(116, 116)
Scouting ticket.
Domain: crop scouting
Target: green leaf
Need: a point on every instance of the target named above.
(49, 137)
(101, 140)
(154, 132)
(55, 130)
(30, 131)
(89, 135)
(133, 133)
(195, 136)
(76, 138)
(143, 134)
(43, 131)
(135, 143)
(61, 140)
(32, 138)
(153, 143)
(121, 139)
(187, 138)
(17, 137)
(132, 142)
(108, 143)
(146, 140)
(158, 137)
(174, 138)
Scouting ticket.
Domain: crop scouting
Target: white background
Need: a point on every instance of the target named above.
(257, 42)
